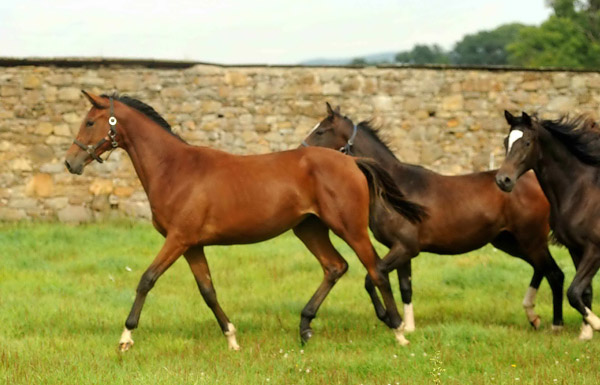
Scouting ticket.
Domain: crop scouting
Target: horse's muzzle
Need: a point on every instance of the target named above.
(74, 169)
(505, 182)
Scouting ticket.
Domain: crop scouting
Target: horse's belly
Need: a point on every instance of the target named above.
(457, 238)
(248, 230)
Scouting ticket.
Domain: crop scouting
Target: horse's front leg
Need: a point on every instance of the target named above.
(199, 266)
(171, 250)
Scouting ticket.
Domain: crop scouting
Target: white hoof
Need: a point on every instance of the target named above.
(409, 318)
(399, 333)
(231, 340)
(587, 333)
(592, 319)
(126, 342)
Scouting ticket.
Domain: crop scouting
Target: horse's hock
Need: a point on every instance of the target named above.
(445, 118)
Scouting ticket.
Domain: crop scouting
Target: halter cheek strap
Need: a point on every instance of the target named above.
(111, 136)
(348, 146)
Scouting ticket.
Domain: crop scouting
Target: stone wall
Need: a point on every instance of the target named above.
(445, 118)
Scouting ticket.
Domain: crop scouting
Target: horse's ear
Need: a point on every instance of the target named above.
(526, 118)
(96, 100)
(330, 111)
(509, 118)
(337, 110)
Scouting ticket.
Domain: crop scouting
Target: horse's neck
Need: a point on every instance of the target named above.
(153, 152)
(368, 147)
(558, 171)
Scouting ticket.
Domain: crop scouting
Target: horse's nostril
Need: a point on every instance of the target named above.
(506, 179)
(67, 165)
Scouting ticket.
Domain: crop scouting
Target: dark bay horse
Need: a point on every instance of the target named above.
(565, 155)
(465, 212)
(200, 196)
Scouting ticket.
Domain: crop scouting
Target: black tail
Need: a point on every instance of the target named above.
(382, 186)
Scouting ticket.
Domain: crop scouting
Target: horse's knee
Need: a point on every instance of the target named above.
(574, 296)
(146, 282)
(556, 276)
(379, 278)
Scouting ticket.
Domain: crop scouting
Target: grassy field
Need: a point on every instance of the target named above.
(65, 293)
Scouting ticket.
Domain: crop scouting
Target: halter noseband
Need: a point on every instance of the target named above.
(345, 149)
(111, 136)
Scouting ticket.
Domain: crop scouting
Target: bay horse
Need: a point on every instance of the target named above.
(465, 212)
(201, 196)
(565, 155)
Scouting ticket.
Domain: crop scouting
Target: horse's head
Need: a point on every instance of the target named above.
(521, 150)
(96, 135)
(335, 131)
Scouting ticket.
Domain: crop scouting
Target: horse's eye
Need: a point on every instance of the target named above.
(89, 123)
(320, 133)
(528, 143)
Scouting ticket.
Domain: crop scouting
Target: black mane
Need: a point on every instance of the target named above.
(144, 109)
(374, 134)
(580, 135)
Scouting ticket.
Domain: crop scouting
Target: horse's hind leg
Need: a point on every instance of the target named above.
(199, 266)
(315, 235)
(580, 293)
(397, 258)
(361, 244)
(171, 250)
(536, 253)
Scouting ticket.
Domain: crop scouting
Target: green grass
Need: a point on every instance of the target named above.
(65, 293)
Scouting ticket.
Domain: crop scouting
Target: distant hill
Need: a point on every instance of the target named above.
(377, 58)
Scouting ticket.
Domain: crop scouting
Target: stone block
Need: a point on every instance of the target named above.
(75, 214)
(41, 185)
(101, 186)
(69, 94)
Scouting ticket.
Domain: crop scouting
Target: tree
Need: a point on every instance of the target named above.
(359, 61)
(423, 54)
(569, 38)
(486, 47)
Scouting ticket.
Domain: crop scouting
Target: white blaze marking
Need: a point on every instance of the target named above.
(314, 128)
(409, 318)
(230, 334)
(311, 131)
(587, 333)
(513, 137)
(592, 319)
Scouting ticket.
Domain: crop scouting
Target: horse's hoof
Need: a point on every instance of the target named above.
(125, 346)
(399, 334)
(592, 319)
(557, 328)
(306, 335)
(537, 321)
(587, 333)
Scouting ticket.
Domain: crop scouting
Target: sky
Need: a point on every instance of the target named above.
(246, 32)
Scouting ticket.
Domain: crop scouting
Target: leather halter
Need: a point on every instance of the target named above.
(345, 149)
(111, 136)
